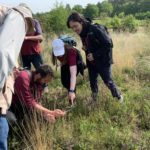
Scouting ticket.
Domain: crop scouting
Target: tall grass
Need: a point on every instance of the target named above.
(106, 125)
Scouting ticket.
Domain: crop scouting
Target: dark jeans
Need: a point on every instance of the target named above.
(65, 76)
(35, 59)
(4, 128)
(105, 73)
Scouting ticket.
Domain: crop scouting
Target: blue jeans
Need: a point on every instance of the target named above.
(4, 128)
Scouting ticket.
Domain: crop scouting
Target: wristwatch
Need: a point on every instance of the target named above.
(72, 91)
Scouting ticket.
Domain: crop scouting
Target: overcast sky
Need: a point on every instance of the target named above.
(46, 5)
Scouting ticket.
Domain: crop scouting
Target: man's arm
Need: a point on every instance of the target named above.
(23, 92)
(38, 32)
(34, 38)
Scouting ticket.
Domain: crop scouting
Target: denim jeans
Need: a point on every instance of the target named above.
(4, 128)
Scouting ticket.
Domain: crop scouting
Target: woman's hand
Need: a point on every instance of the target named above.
(71, 97)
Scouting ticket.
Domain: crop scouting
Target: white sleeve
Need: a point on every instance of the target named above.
(12, 33)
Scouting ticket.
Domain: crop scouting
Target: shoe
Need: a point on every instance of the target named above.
(46, 90)
(121, 99)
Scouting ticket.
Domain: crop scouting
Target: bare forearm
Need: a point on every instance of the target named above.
(34, 38)
(42, 109)
(73, 72)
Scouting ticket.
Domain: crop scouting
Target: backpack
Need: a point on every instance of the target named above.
(104, 31)
(68, 40)
(80, 63)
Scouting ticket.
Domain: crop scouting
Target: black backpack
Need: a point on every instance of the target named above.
(80, 63)
(104, 31)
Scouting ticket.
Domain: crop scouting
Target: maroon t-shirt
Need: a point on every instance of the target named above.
(71, 57)
(30, 47)
(26, 91)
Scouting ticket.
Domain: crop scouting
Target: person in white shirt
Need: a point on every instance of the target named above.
(14, 24)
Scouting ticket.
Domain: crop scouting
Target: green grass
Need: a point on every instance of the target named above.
(107, 125)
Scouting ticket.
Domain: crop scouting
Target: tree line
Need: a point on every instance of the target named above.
(120, 11)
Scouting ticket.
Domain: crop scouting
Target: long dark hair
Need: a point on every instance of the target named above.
(76, 17)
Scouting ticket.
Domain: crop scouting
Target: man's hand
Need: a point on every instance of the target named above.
(90, 57)
(16, 72)
(26, 38)
(71, 97)
(58, 113)
(49, 117)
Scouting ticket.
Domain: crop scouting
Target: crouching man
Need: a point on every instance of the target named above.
(28, 90)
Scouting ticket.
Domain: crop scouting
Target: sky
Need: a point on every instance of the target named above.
(46, 5)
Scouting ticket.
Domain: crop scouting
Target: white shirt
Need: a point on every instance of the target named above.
(12, 33)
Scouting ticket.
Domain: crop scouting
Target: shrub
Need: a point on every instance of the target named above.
(116, 24)
(122, 23)
(143, 15)
(129, 24)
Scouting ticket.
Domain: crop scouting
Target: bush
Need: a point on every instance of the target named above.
(143, 16)
(143, 68)
(129, 24)
(116, 24)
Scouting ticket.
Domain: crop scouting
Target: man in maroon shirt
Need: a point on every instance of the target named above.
(28, 91)
(31, 48)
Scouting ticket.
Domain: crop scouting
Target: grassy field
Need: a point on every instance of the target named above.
(107, 125)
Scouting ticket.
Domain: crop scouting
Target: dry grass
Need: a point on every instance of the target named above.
(126, 46)
(40, 135)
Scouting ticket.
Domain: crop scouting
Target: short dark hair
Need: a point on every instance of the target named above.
(45, 70)
(76, 17)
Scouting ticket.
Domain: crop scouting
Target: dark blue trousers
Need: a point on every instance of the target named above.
(35, 59)
(106, 75)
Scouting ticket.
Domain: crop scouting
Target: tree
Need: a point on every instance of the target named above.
(106, 8)
(129, 24)
(78, 8)
(68, 8)
(91, 11)
(129, 6)
(58, 19)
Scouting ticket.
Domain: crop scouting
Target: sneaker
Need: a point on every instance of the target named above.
(46, 90)
(121, 99)
(94, 96)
